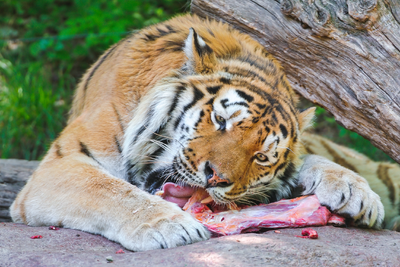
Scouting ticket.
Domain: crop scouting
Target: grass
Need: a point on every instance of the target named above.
(33, 110)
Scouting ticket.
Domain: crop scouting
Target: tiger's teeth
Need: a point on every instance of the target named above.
(207, 200)
(159, 193)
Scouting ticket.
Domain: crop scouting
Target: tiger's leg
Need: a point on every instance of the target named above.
(73, 192)
(341, 190)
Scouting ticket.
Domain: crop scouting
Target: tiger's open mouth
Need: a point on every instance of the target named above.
(178, 194)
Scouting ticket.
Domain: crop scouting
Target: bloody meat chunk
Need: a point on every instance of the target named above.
(298, 212)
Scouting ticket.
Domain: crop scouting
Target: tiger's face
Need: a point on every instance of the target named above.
(226, 127)
(237, 145)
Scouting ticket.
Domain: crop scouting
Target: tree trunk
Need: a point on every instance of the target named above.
(342, 55)
(13, 176)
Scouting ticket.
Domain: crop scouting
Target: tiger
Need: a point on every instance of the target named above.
(192, 102)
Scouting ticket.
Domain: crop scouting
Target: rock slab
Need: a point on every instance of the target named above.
(334, 247)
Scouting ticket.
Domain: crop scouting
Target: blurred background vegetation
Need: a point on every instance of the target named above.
(45, 47)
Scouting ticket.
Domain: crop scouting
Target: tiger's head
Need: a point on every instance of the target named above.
(226, 123)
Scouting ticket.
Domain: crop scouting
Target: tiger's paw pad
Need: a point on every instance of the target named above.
(343, 191)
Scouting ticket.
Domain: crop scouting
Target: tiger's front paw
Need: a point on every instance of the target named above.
(166, 226)
(342, 191)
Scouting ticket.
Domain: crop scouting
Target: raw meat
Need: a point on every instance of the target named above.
(308, 233)
(299, 212)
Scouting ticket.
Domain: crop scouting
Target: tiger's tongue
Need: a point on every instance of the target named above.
(177, 194)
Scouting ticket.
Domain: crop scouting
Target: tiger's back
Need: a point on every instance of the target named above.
(142, 59)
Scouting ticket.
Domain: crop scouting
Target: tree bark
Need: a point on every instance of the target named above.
(13, 176)
(343, 55)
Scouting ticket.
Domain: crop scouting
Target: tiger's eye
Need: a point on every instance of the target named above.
(221, 121)
(261, 157)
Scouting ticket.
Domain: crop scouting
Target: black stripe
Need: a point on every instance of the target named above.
(245, 73)
(283, 131)
(131, 174)
(210, 32)
(281, 166)
(272, 101)
(211, 101)
(343, 198)
(213, 89)
(337, 158)
(168, 31)
(197, 96)
(288, 175)
(244, 104)
(199, 234)
(200, 118)
(200, 49)
(178, 93)
(260, 106)
(172, 46)
(141, 130)
(121, 125)
(285, 156)
(223, 102)
(118, 144)
(178, 120)
(274, 118)
(383, 175)
(245, 96)
(98, 65)
(224, 80)
(152, 37)
(361, 205)
(85, 150)
(156, 136)
(154, 180)
(254, 89)
(256, 62)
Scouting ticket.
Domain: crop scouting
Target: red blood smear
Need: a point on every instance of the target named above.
(36, 237)
(53, 228)
(120, 252)
(299, 212)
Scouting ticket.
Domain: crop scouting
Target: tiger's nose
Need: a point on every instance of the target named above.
(213, 180)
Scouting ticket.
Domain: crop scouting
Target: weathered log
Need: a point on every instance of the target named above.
(341, 54)
(13, 175)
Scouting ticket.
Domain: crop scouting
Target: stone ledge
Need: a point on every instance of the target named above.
(334, 247)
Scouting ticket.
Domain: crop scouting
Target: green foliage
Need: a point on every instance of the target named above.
(32, 110)
(57, 42)
(84, 28)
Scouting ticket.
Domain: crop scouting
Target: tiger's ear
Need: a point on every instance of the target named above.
(201, 58)
(306, 118)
